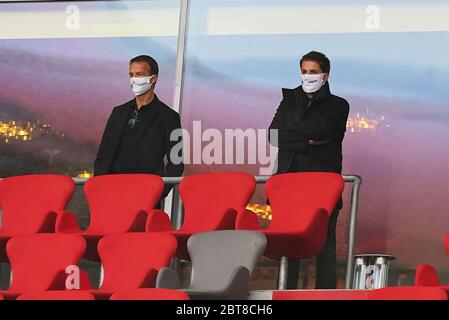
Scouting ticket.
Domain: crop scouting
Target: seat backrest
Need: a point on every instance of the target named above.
(26, 201)
(408, 293)
(215, 256)
(206, 196)
(129, 257)
(39, 261)
(115, 200)
(296, 196)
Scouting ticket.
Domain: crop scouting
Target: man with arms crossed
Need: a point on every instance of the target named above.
(311, 124)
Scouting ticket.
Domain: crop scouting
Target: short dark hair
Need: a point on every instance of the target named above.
(149, 60)
(319, 58)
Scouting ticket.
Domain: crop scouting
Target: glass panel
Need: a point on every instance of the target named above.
(389, 60)
(64, 66)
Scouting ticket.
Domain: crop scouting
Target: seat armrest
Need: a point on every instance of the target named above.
(426, 276)
(246, 220)
(67, 222)
(238, 285)
(158, 221)
(168, 278)
(48, 223)
(236, 288)
(139, 223)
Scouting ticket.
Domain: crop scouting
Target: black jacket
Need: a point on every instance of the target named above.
(156, 133)
(299, 119)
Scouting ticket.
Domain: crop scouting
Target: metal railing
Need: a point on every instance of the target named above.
(176, 214)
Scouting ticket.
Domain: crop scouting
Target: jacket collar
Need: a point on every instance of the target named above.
(146, 107)
(324, 92)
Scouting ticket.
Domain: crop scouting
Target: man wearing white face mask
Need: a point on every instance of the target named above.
(311, 123)
(137, 135)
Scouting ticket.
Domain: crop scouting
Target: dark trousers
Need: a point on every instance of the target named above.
(326, 261)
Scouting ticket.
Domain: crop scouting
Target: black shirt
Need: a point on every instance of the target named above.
(127, 159)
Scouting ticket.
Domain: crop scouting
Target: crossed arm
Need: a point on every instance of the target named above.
(299, 134)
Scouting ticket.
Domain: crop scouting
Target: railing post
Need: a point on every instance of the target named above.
(357, 181)
(283, 273)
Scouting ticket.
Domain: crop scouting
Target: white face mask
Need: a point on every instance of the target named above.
(312, 82)
(140, 85)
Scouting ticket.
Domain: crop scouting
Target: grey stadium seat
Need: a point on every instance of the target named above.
(222, 263)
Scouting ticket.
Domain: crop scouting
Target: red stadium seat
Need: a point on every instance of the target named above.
(150, 294)
(211, 202)
(39, 261)
(320, 294)
(132, 260)
(301, 204)
(30, 204)
(118, 203)
(389, 293)
(426, 275)
(58, 295)
(408, 293)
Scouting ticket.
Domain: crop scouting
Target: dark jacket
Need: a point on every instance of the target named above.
(298, 120)
(157, 130)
